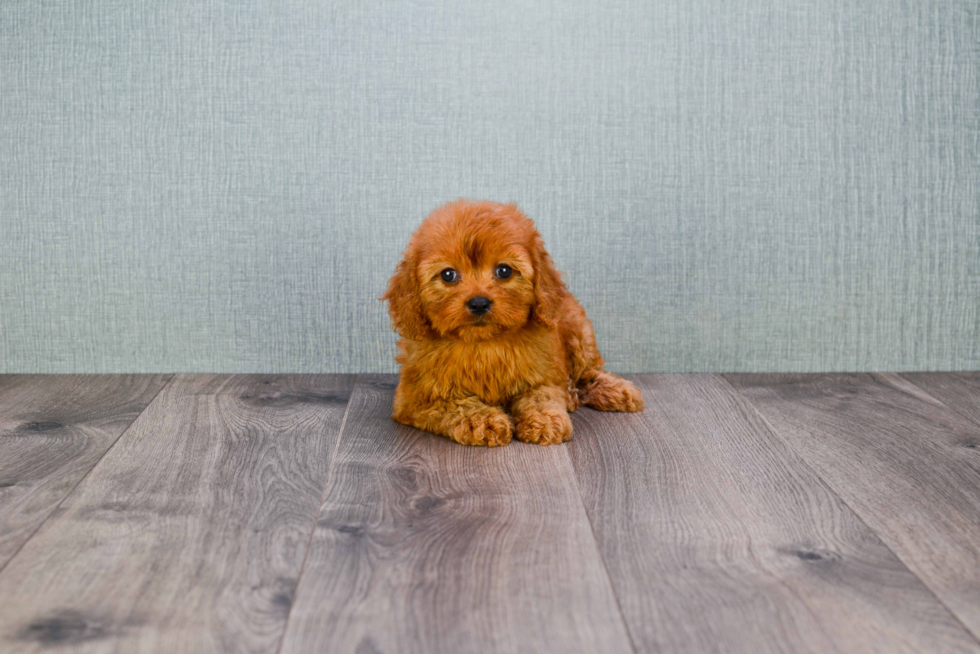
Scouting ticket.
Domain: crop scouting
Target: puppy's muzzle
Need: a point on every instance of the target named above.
(478, 305)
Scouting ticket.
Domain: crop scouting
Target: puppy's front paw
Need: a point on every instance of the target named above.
(490, 427)
(544, 427)
(611, 393)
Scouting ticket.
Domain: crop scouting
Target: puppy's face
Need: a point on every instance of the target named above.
(476, 283)
(472, 271)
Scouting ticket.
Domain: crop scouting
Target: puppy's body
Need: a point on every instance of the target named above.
(496, 371)
(488, 327)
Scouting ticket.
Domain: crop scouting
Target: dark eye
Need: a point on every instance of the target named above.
(448, 275)
(504, 271)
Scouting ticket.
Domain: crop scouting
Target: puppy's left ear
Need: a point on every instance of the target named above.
(549, 289)
(404, 301)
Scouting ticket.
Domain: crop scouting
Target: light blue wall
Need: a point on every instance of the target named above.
(728, 185)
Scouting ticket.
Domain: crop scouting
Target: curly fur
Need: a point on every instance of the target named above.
(518, 369)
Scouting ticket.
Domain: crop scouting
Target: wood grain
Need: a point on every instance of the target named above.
(718, 538)
(53, 430)
(906, 464)
(959, 391)
(424, 545)
(190, 534)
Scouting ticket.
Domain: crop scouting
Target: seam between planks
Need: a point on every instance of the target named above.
(775, 432)
(598, 549)
(944, 404)
(87, 473)
(319, 508)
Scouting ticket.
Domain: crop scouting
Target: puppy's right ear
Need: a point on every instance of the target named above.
(404, 302)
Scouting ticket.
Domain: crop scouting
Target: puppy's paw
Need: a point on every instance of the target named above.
(490, 427)
(612, 393)
(544, 427)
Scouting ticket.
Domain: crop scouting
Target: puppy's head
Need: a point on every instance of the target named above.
(472, 271)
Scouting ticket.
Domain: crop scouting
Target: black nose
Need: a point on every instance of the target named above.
(478, 305)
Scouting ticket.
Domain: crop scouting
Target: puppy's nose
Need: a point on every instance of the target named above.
(478, 305)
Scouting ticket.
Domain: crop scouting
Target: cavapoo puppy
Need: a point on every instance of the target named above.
(492, 343)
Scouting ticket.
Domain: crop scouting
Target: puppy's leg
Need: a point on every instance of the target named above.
(607, 392)
(542, 417)
(467, 420)
(595, 387)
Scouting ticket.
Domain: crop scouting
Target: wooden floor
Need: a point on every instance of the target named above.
(258, 513)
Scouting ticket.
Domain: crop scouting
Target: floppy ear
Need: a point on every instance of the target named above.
(549, 290)
(404, 303)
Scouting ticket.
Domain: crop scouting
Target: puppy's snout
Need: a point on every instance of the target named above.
(478, 305)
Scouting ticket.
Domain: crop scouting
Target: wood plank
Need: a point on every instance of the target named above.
(905, 463)
(718, 538)
(960, 391)
(190, 533)
(53, 430)
(424, 545)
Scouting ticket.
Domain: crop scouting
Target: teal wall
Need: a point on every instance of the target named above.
(784, 185)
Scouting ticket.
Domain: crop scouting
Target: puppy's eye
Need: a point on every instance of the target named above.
(448, 275)
(504, 271)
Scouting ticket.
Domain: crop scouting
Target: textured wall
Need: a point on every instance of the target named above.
(226, 186)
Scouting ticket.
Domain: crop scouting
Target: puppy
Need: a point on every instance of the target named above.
(492, 343)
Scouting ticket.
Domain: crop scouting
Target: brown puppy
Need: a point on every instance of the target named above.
(488, 328)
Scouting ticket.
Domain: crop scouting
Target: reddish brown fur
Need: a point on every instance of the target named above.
(519, 368)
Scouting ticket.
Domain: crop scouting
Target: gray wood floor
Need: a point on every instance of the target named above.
(288, 513)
